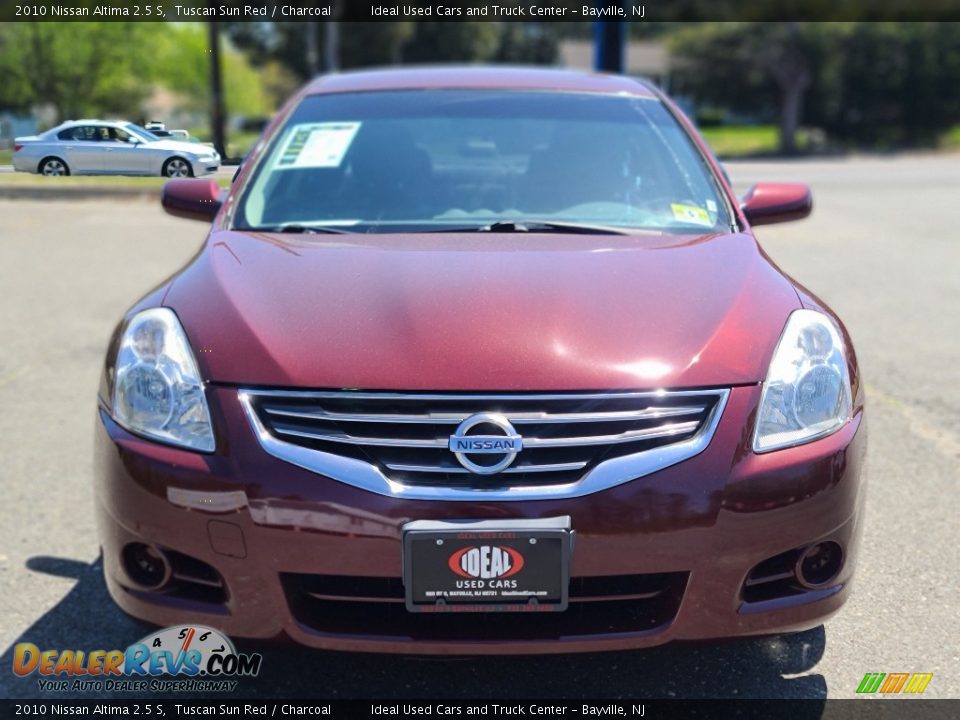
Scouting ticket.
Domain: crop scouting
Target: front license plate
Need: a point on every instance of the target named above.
(487, 565)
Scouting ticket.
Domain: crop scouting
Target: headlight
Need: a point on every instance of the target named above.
(807, 391)
(157, 390)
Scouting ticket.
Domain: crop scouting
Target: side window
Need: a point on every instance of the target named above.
(101, 133)
(118, 135)
(85, 132)
(80, 132)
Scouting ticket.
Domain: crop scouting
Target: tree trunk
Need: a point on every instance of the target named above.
(217, 113)
(791, 110)
(790, 68)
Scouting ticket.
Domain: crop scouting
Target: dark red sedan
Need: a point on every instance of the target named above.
(481, 361)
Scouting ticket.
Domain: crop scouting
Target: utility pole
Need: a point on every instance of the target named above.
(313, 52)
(217, 113)
(331, 44)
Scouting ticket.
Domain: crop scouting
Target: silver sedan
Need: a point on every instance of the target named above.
(101, 147)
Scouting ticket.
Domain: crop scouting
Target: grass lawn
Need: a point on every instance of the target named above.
(6, 157)
(732, 141)
(240, 143)
(26, 180)
(738, 140)
(950, 140)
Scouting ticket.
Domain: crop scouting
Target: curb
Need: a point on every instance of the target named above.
(32, 192)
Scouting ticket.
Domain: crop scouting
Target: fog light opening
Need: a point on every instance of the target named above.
(819, 564)
(146, 565)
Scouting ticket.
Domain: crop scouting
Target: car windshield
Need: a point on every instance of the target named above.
(422, 160)
(140, 132)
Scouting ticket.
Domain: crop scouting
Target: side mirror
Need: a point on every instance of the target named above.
(192, 199)
(768, 203)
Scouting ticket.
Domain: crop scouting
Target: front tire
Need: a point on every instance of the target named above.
(177, 167)
(53, 167)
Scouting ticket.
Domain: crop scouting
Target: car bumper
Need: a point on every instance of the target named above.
(201, 167)
(24, 164)
(265, 536)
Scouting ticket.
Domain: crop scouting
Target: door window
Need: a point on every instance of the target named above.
(80, 132)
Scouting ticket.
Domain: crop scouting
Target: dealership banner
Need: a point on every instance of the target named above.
(507, 708)
(460, 10)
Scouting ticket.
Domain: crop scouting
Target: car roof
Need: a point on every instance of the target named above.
(479, 77)
(92, 121)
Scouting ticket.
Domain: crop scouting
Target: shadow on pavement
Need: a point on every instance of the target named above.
(86, 619)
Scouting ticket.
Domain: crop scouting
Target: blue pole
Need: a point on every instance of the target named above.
(609, 43)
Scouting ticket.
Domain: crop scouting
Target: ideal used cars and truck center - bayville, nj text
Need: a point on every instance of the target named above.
(271, 11)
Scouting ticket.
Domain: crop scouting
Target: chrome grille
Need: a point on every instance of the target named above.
(399, 444)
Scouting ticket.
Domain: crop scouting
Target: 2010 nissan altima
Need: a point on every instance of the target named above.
(481, 361)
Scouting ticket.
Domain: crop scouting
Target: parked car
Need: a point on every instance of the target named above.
(101, 147)
(160, 130)
(481, 361)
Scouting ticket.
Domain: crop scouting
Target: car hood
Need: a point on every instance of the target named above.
(180, 146)
(482, 312)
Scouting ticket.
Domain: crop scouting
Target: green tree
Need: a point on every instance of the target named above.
(361, 43)
(464, 42)
(529, 43)
(763, 69)
(181, 62)
(866, 83)
(111, 69)
(364, 44)
(889, 84)
(76, 68)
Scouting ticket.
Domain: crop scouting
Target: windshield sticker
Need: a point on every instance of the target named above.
(711, 206)
(691, 214)
(318, 145)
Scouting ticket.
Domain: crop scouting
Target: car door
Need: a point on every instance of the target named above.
(120, 152)
(80, 146)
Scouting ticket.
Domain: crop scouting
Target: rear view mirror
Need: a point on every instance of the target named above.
(768, 203)
(192, 199)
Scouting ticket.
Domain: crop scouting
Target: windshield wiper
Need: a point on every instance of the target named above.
(512, 226)
(301, 229)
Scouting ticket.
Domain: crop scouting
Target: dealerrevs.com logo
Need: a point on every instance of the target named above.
(182, 658)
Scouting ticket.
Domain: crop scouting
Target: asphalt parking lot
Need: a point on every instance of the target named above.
(881, 248)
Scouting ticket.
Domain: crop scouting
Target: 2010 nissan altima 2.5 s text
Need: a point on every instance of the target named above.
(481, 361)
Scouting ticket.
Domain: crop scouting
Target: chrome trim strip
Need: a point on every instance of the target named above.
(628, 436)
(624, 437)
(444, 419)
(555, 467)
(354, 395)
(365, 476)
(650, 413)
(440, 444)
